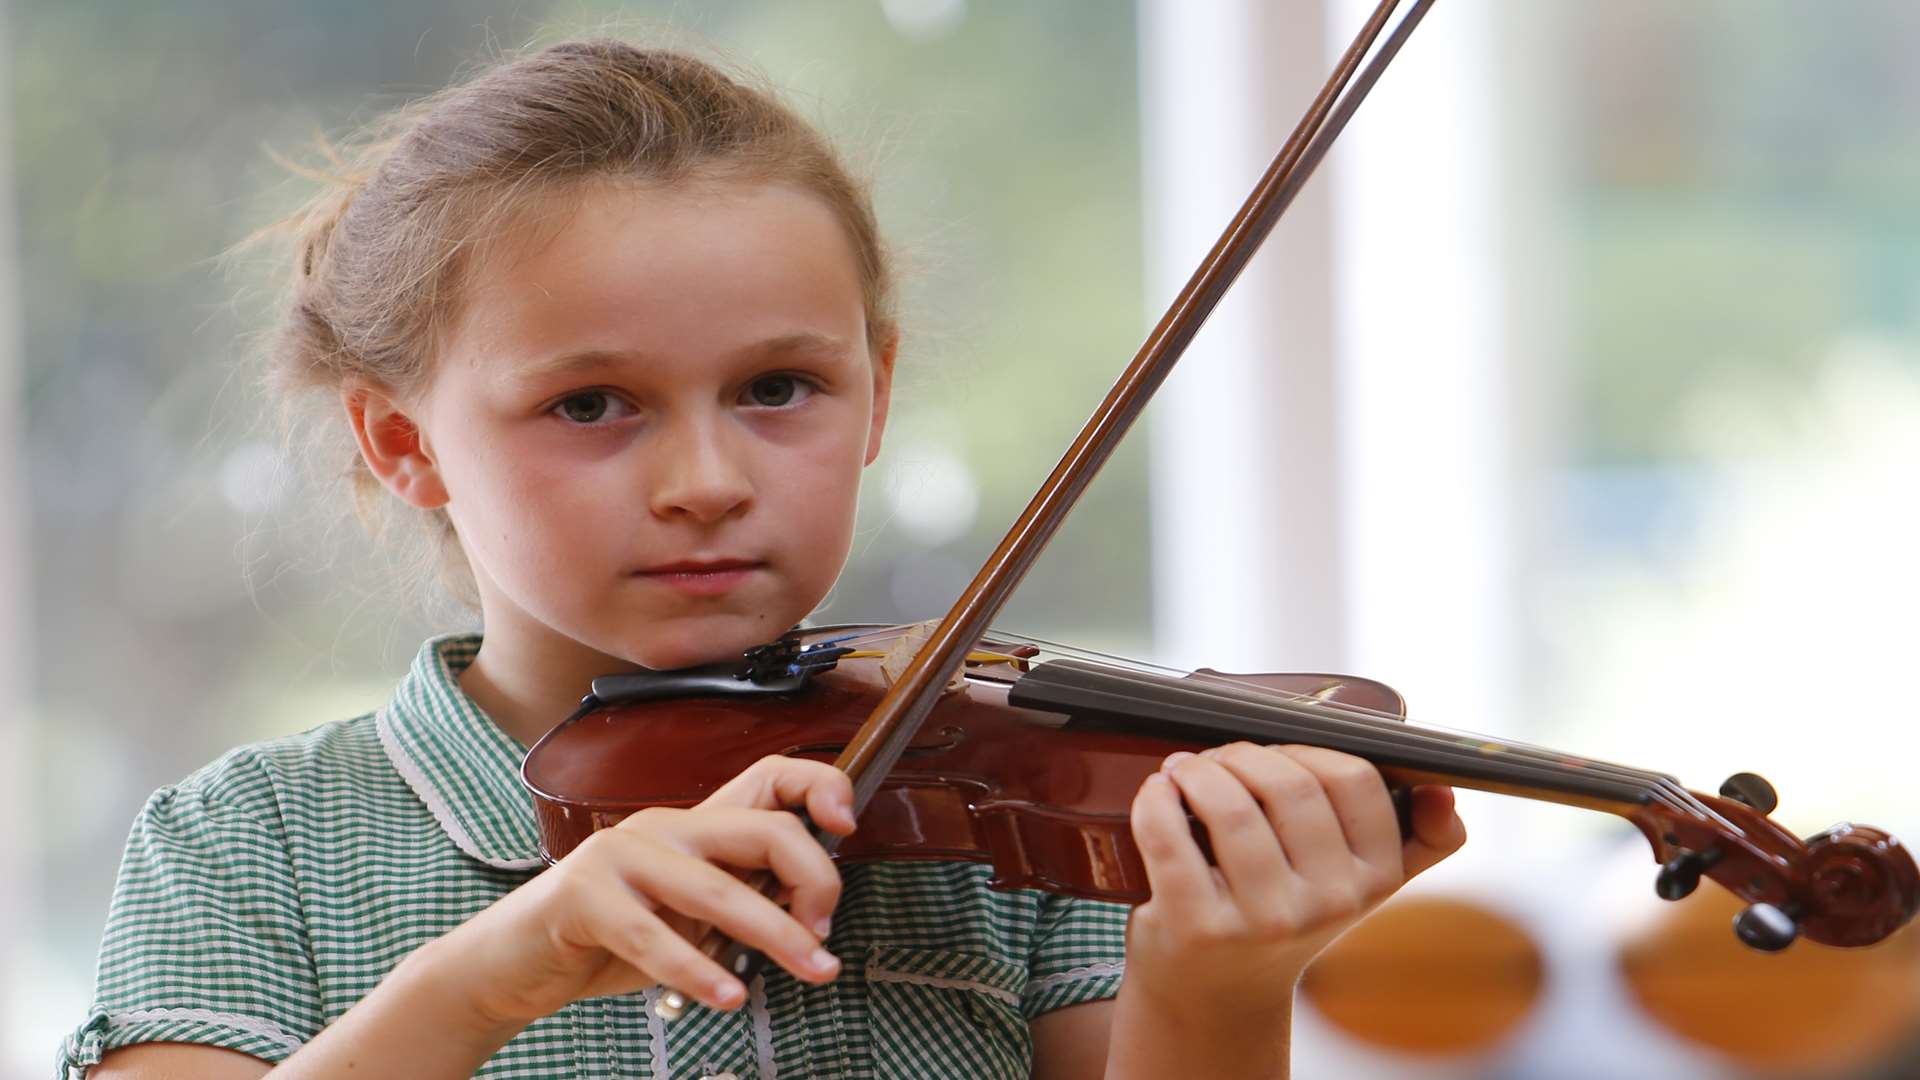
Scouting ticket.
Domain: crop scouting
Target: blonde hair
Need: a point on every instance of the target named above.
(380, 253)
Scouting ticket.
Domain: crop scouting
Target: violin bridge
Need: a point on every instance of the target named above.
(907, 646)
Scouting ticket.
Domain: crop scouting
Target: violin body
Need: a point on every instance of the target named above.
(1042, 799)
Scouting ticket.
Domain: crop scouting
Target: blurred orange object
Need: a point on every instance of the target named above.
(1808, 1008)
(1429, 975)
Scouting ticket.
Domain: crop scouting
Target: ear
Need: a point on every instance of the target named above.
(883, 354)
(394, 447)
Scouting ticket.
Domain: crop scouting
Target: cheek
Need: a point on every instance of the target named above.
(819, 501)
(514, 505)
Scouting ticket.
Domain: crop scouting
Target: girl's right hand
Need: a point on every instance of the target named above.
(623, 910)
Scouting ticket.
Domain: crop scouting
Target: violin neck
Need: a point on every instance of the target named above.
(1212, 712)
(1404, 777)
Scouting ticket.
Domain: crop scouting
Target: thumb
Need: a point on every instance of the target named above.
(1437, 830)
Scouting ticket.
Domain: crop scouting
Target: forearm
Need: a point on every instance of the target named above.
(413, 1024)
(1155, 1034)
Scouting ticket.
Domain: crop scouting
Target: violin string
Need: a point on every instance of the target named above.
(1332, 719)
(1701, 809)
(1399, 722)
(1394, 726)
(1396, 729)
(1399, 727)
(1475, 758)
(1660, 787)
(1109, 700)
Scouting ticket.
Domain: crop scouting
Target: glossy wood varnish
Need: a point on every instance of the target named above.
(1047, 805)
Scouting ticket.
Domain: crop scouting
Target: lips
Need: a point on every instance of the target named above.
(701, 577)
(700, 566)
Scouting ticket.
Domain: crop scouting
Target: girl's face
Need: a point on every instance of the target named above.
(650, 427)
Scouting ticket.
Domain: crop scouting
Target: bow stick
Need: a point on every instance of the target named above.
(877, 746)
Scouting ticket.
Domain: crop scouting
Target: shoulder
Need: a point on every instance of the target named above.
(263, 784)
(208, 938)
(342, 747)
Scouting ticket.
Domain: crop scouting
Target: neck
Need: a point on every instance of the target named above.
(526, 689)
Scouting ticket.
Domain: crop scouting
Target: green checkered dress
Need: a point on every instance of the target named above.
(270, 891)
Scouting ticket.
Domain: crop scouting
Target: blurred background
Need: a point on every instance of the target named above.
(1578, 399)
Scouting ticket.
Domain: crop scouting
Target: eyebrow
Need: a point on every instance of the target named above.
(596, 359)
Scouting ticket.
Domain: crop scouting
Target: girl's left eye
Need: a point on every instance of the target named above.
(586, 408)
(775, 391)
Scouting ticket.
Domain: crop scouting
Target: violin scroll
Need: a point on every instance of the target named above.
(1849, 886)
(1863, 884)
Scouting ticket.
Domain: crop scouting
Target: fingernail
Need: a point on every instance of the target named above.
(1210, 752)
(1159, 779)
(823, 927)
(724, 992)
(1173, 759)
(822, 961)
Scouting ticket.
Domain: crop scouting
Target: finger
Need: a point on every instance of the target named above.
(643, 941)
(1177, 873)
(1245, 846)
(1437, 829)
(1358, 796)
(1296, 808)
(769, 839)
(830, 801)
(777, 783)
(696, 888)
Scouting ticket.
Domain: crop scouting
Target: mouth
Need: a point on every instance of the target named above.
(701, 577)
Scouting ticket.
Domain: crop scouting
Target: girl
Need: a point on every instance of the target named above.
(617, 330)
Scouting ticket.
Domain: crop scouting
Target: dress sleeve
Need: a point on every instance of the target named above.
(205, 942)
(1079, 953)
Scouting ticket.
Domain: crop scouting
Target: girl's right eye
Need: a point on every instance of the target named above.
(585, 408)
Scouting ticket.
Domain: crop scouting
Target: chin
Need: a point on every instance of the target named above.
(702, 641)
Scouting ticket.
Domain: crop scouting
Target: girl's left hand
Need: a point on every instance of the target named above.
(1306, 842)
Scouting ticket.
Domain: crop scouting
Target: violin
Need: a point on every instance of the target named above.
(966, 744)
(1032, 755)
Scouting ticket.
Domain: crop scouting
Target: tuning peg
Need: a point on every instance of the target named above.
(1752, 789)
(1765, 927)
(1681, 874)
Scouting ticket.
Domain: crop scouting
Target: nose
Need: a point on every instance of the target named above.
(700, 473)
